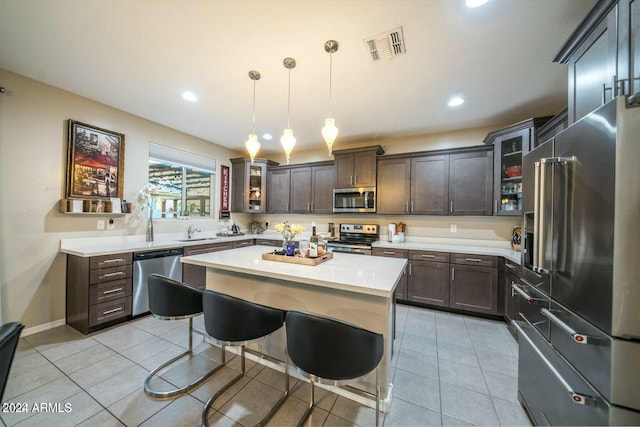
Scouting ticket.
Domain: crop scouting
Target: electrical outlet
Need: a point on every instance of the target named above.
(100, 224)
(454, 228)
(111, 224)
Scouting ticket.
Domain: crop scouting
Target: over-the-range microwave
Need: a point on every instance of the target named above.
(354, 199)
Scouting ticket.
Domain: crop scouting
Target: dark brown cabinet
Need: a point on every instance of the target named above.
(429, 278)
(455, 182)
(248, 185)
(510, 144)
(98, 291)
(356, 167)
(471, 182)
(603, 57)
(474, 283)
(195, 275)
(394, 186)
(511, 299)
(278, 188)
(401, 289)
(301, 189)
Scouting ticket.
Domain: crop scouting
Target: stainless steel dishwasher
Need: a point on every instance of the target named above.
(161, 261)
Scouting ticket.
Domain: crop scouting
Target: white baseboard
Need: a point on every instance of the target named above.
(44, 327)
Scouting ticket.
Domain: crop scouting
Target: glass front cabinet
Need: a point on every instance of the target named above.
(249, 183)
(510, 144)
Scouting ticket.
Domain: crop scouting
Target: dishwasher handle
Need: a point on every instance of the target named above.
(161, 253)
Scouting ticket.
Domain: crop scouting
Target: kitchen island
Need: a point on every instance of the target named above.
(352, 288)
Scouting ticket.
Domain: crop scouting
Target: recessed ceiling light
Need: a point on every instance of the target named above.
(267, 136)
(475, 3)
(187, 95)
(455, 101)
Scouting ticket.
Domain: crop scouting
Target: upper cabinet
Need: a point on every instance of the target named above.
(510, 144)
(455, 182)
(603, 57)
(301, 188)
(248, 185)
(356, 167)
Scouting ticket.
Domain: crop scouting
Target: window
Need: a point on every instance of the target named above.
(182, 183)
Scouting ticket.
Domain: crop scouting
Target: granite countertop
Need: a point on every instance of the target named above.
(345, 272)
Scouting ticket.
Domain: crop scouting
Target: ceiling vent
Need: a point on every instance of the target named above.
(386, 45)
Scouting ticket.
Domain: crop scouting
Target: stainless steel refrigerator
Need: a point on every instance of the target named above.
(579, 323)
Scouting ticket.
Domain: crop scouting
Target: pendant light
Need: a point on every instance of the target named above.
(330, 131)
(288, 140)
(252, 144)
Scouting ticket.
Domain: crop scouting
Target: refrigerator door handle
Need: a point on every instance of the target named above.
(577, 337)
(536, 214)
(578, 398)
(525, 295)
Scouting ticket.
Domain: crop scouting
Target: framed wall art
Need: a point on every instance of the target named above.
(95, 162)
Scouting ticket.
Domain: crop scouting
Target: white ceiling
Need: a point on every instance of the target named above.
(139, 55)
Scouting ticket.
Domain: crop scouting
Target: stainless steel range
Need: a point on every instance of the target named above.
(355, 239)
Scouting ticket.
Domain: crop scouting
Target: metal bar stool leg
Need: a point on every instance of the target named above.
(282, 399)
(171, 393)
(205, 410)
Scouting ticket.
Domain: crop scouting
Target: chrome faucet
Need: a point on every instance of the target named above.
(191, 231)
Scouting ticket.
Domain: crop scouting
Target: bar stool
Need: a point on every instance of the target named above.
(173, 300)
(328, 349)
(232, 321)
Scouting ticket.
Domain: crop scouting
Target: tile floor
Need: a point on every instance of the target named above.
(448, 370)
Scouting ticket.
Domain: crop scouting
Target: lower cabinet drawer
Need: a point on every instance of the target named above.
(109, 274)
(471, 259)
(109, 291)
(392, 253)
(107, 311)
(429, 256)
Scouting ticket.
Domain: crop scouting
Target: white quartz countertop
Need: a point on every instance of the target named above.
(454, 247)
(112, 245)
(354, 273)
(96, 246)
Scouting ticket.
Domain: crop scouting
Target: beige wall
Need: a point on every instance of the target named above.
(33, 123)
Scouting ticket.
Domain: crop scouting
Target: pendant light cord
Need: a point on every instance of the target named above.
(289, 102)
(253, 126)
(330, 82)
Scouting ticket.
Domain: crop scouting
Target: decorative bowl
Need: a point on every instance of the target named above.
(513, 171)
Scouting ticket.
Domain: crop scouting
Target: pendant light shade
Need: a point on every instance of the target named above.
(252, 144)
(287, 140)
(330, 131)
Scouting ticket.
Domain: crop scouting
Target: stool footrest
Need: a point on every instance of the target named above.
(174, 392)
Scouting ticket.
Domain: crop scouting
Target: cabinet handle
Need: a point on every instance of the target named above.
(311, 208)
(112, 291)
(117, 273)
(355, 179)
(604, 92)
(451, 206)
(388, 253)
(409, 269)
(510, 266)
(453, 273)
(115, 310)
(473, 259)
(428, 256)
(412, 206)
(495, 205)
(406, 207)
(107, 261)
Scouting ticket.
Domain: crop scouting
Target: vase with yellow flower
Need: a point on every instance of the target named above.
(289, 232)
